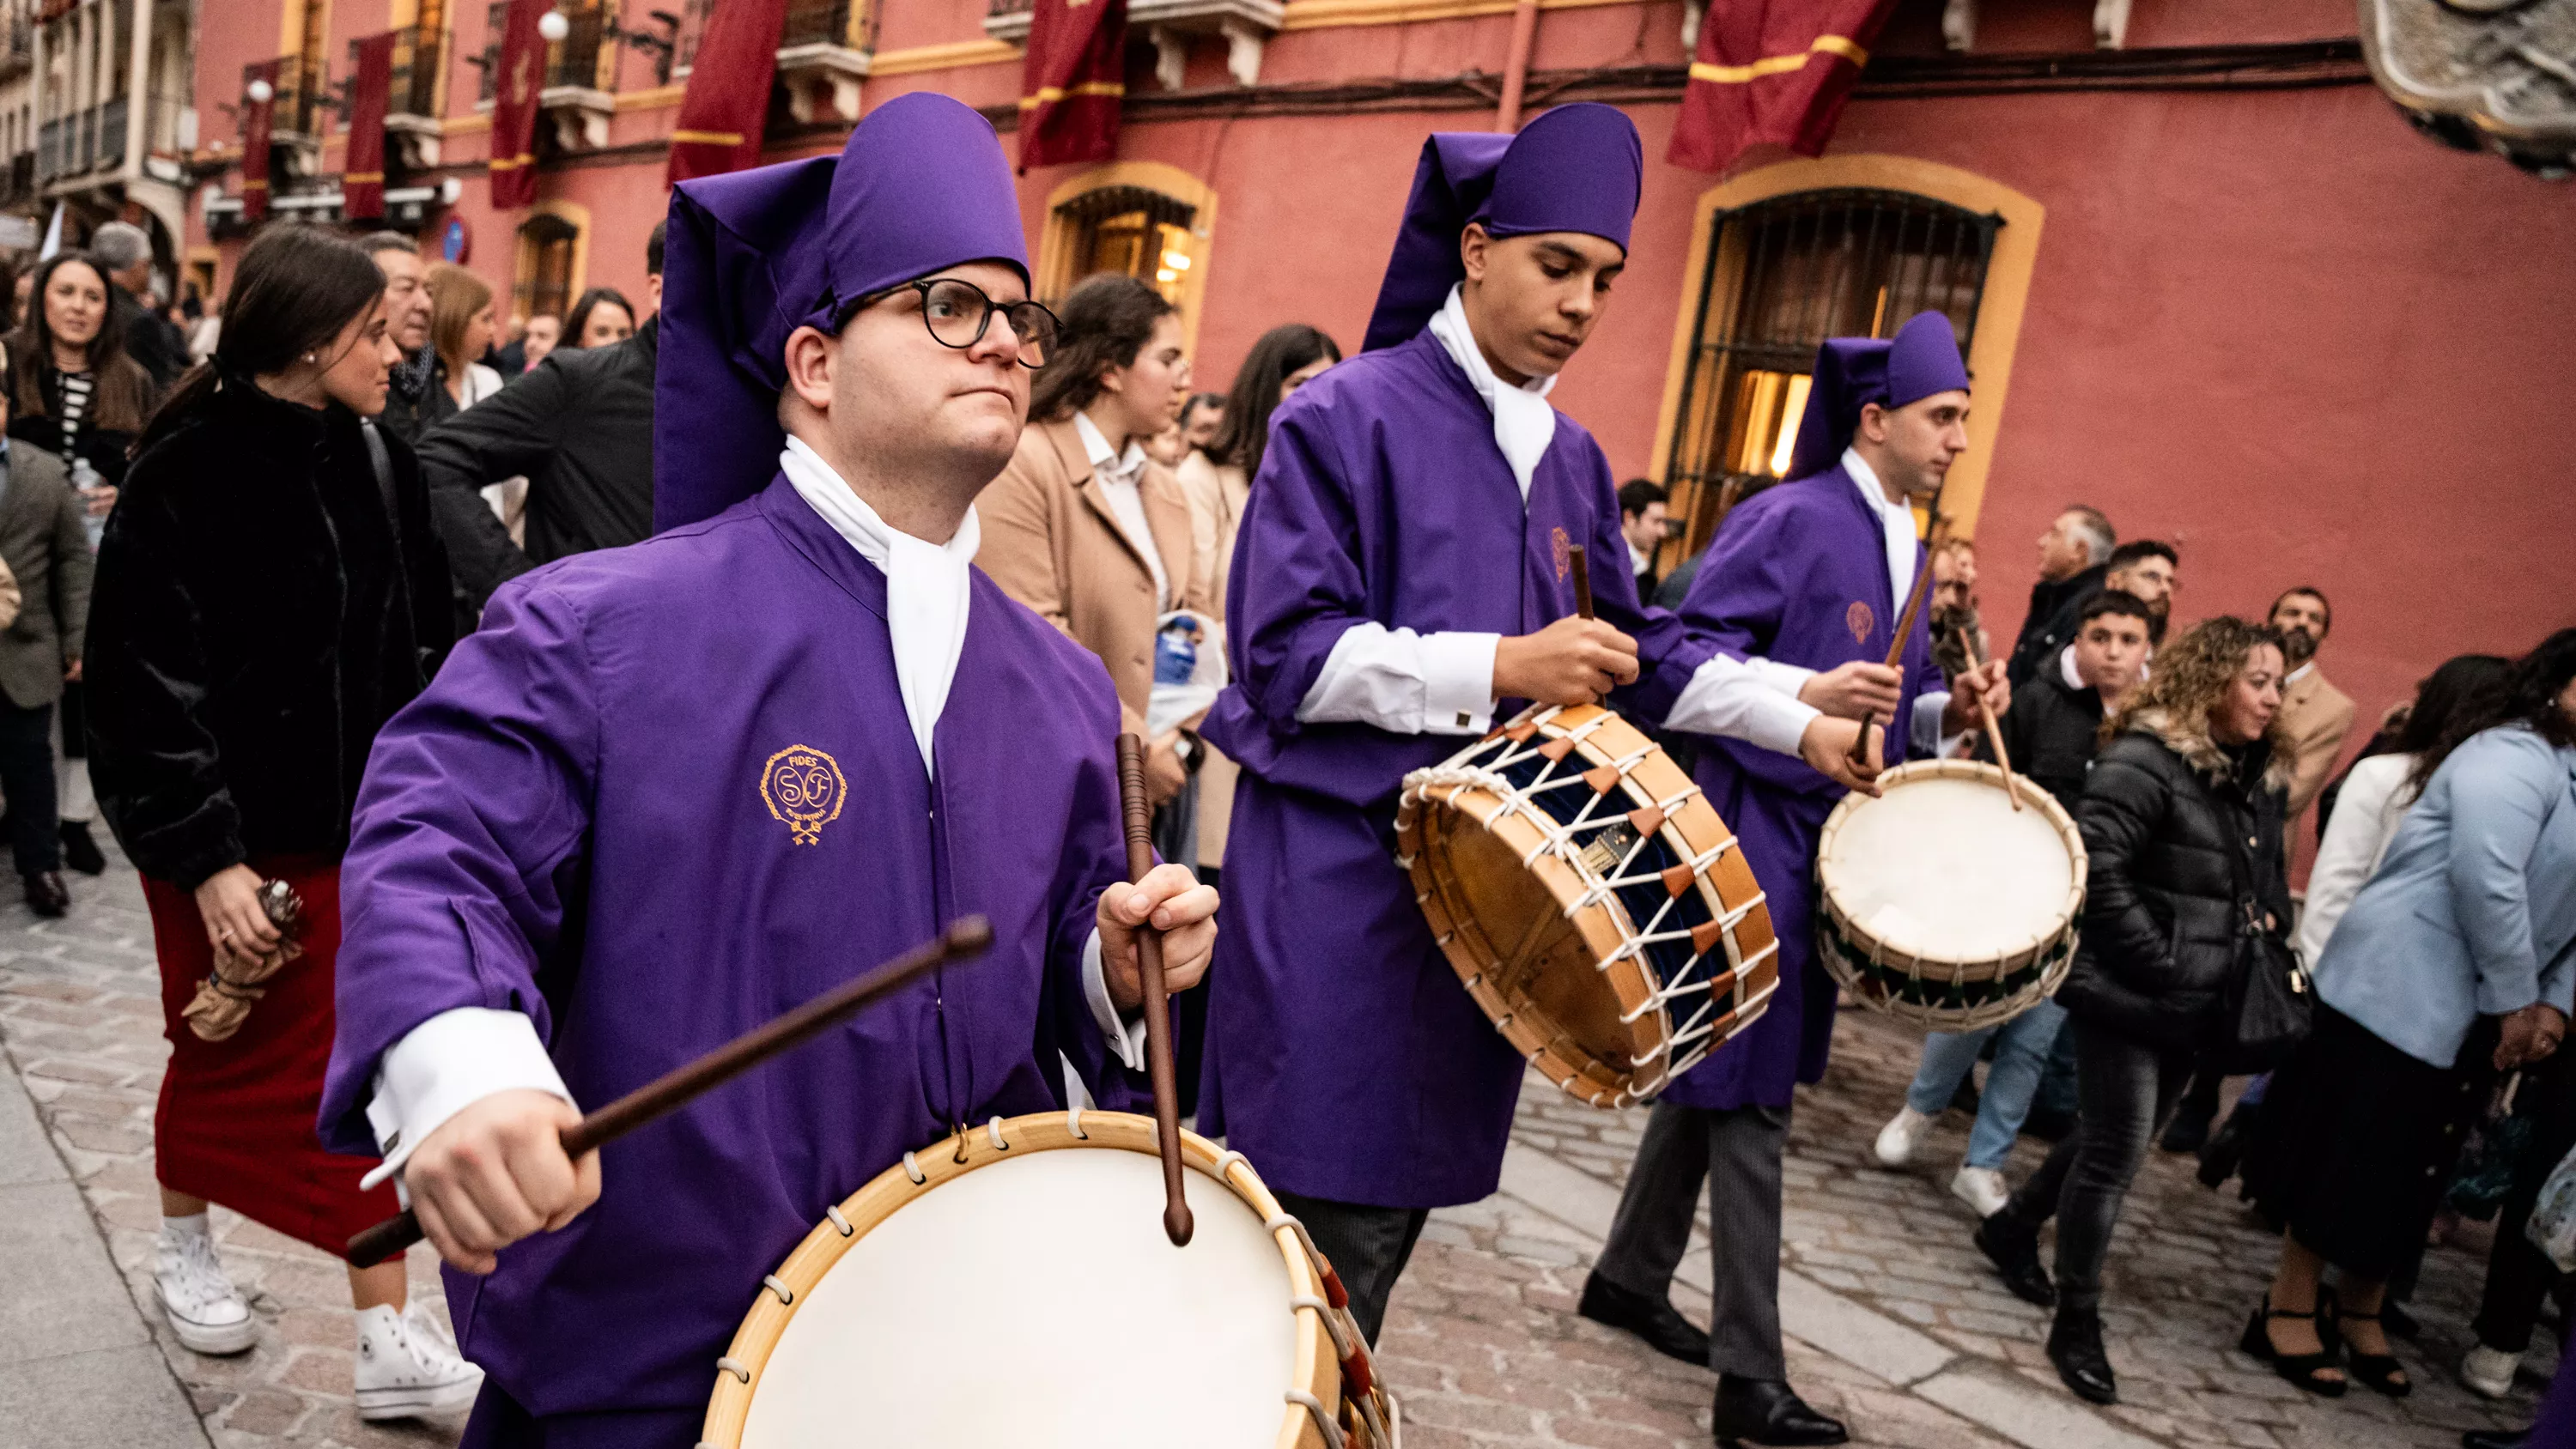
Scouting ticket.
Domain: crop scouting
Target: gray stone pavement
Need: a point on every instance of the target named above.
(1895, 1323)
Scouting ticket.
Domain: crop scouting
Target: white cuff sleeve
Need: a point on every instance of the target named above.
(1737, 699)
(1924, 729)
(447, 1064)
(1788, 679)
(1126, 1039)
(1405, 683)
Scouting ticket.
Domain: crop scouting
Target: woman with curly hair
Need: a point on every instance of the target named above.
(2185, 799)
(2455, 962)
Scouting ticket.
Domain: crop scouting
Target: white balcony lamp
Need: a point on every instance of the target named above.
(261, 93)
(553, 26)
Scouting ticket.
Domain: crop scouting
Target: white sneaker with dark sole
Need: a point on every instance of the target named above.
(1982, 1189)
(405, 1370)
(204, 1310)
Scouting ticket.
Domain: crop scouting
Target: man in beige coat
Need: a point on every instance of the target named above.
(2315, 716)
(1085, 528)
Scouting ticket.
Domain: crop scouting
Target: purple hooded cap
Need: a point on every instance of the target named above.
(1576, 168)
(753, 255)
(1852, 372)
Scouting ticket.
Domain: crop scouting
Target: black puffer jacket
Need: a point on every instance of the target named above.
(2160, 917)
(255, 620)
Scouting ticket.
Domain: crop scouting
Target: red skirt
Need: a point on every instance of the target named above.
(236, 1119)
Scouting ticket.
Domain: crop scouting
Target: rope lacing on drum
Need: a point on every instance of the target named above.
(735, 1367)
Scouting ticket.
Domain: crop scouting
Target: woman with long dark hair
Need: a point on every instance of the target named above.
(602, 318)
(2456, 962)
(1218, 479)
(270, 592)
(2185, 800)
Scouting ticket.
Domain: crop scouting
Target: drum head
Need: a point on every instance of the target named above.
(1942, 868)
(1035, 1301)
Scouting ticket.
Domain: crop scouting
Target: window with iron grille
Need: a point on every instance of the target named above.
(1783, 275)
(542, 286)
(1132, 231)
(418, 54)
(496, 23)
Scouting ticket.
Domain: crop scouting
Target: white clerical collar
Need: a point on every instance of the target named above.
(1524, 422)
(1111, 465)
(2295, 675)
(1895, 520)
(928, 586)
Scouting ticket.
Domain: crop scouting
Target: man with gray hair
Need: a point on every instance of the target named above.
(125, 250)
(416, 397)
(2074, 555)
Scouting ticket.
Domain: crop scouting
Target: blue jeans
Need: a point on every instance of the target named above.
(2021, 1054)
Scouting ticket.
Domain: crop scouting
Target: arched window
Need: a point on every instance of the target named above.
(1781, 275)
(1139, 219)
(548, 268)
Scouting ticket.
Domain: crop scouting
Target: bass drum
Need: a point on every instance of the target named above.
(1013, 1286)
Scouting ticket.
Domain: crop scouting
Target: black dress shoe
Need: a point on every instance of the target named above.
(2495, 1439)
(2014, 1250)
(1768, 1411)
(2075, 1346)
(80, 852)
(2224, 1152)
(46, 895)
(1653, 1319)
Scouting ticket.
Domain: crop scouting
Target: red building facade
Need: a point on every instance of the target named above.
(2215, 284)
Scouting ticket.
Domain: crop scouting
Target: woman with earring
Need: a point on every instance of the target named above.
(269, 593)
(1083, 526)
(78, 396)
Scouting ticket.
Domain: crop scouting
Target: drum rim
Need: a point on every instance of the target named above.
(1605, 925)
(1317, 1372)
(1988, 966)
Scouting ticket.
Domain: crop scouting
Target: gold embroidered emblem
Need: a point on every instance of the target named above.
(1861, 621)
(805, 790)
(1561, 549)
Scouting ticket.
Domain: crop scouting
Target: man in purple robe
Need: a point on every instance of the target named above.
(1401, 582)
(670, 791)
(1810, 575)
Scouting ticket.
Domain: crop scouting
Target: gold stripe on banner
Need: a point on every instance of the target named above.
(254, 186)
(1728, 75)
(362, 178)
(522, 159)
(706, 138)
(1049, 95)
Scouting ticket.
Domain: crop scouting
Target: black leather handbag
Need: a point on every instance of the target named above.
(2269, 1008)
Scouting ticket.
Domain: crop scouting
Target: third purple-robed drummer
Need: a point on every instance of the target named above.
(1401, 580)
(1811, 576)
(670, 791)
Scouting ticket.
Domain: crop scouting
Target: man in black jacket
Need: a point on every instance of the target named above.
(2073, 556)
(579, 427)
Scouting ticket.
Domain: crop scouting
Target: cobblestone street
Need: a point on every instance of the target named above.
(1896, 1324)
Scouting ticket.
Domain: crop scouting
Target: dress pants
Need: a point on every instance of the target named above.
(2126, 1090)
(1736, 1153)
(1367, 1246)
(27, 781)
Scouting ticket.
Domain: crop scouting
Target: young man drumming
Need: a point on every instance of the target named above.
(670, 791)
(1400, 581)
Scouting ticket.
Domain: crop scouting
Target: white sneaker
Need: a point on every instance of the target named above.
(1982, 1189)
(203, 1307)
(406, 1369)
(2489, 1371)
(1898, 1139)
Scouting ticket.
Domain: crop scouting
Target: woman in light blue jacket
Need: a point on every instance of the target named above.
(2456, 961)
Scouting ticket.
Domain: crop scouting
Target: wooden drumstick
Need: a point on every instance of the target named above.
(1582, 581)
(967, 937)
(1158, 1025)
(1904, 631)
(1994, 734)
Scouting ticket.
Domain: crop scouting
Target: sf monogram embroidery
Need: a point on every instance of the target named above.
(805, 790)
(1861, 621)
(1561, 549)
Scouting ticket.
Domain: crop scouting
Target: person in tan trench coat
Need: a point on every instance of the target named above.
(1082, 526)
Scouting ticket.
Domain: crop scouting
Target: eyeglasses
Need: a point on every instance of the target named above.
(957, 312)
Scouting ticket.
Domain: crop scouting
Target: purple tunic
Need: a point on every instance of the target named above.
(1798, 574)
(664, 794)
(1343, 1055)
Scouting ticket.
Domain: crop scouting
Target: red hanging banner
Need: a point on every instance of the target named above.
(362, 172)
(727, 103)
(256, 116)
(1774, 71)
(514, 105)
(1073, 82)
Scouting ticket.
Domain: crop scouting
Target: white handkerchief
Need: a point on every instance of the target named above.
(1524, 420)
